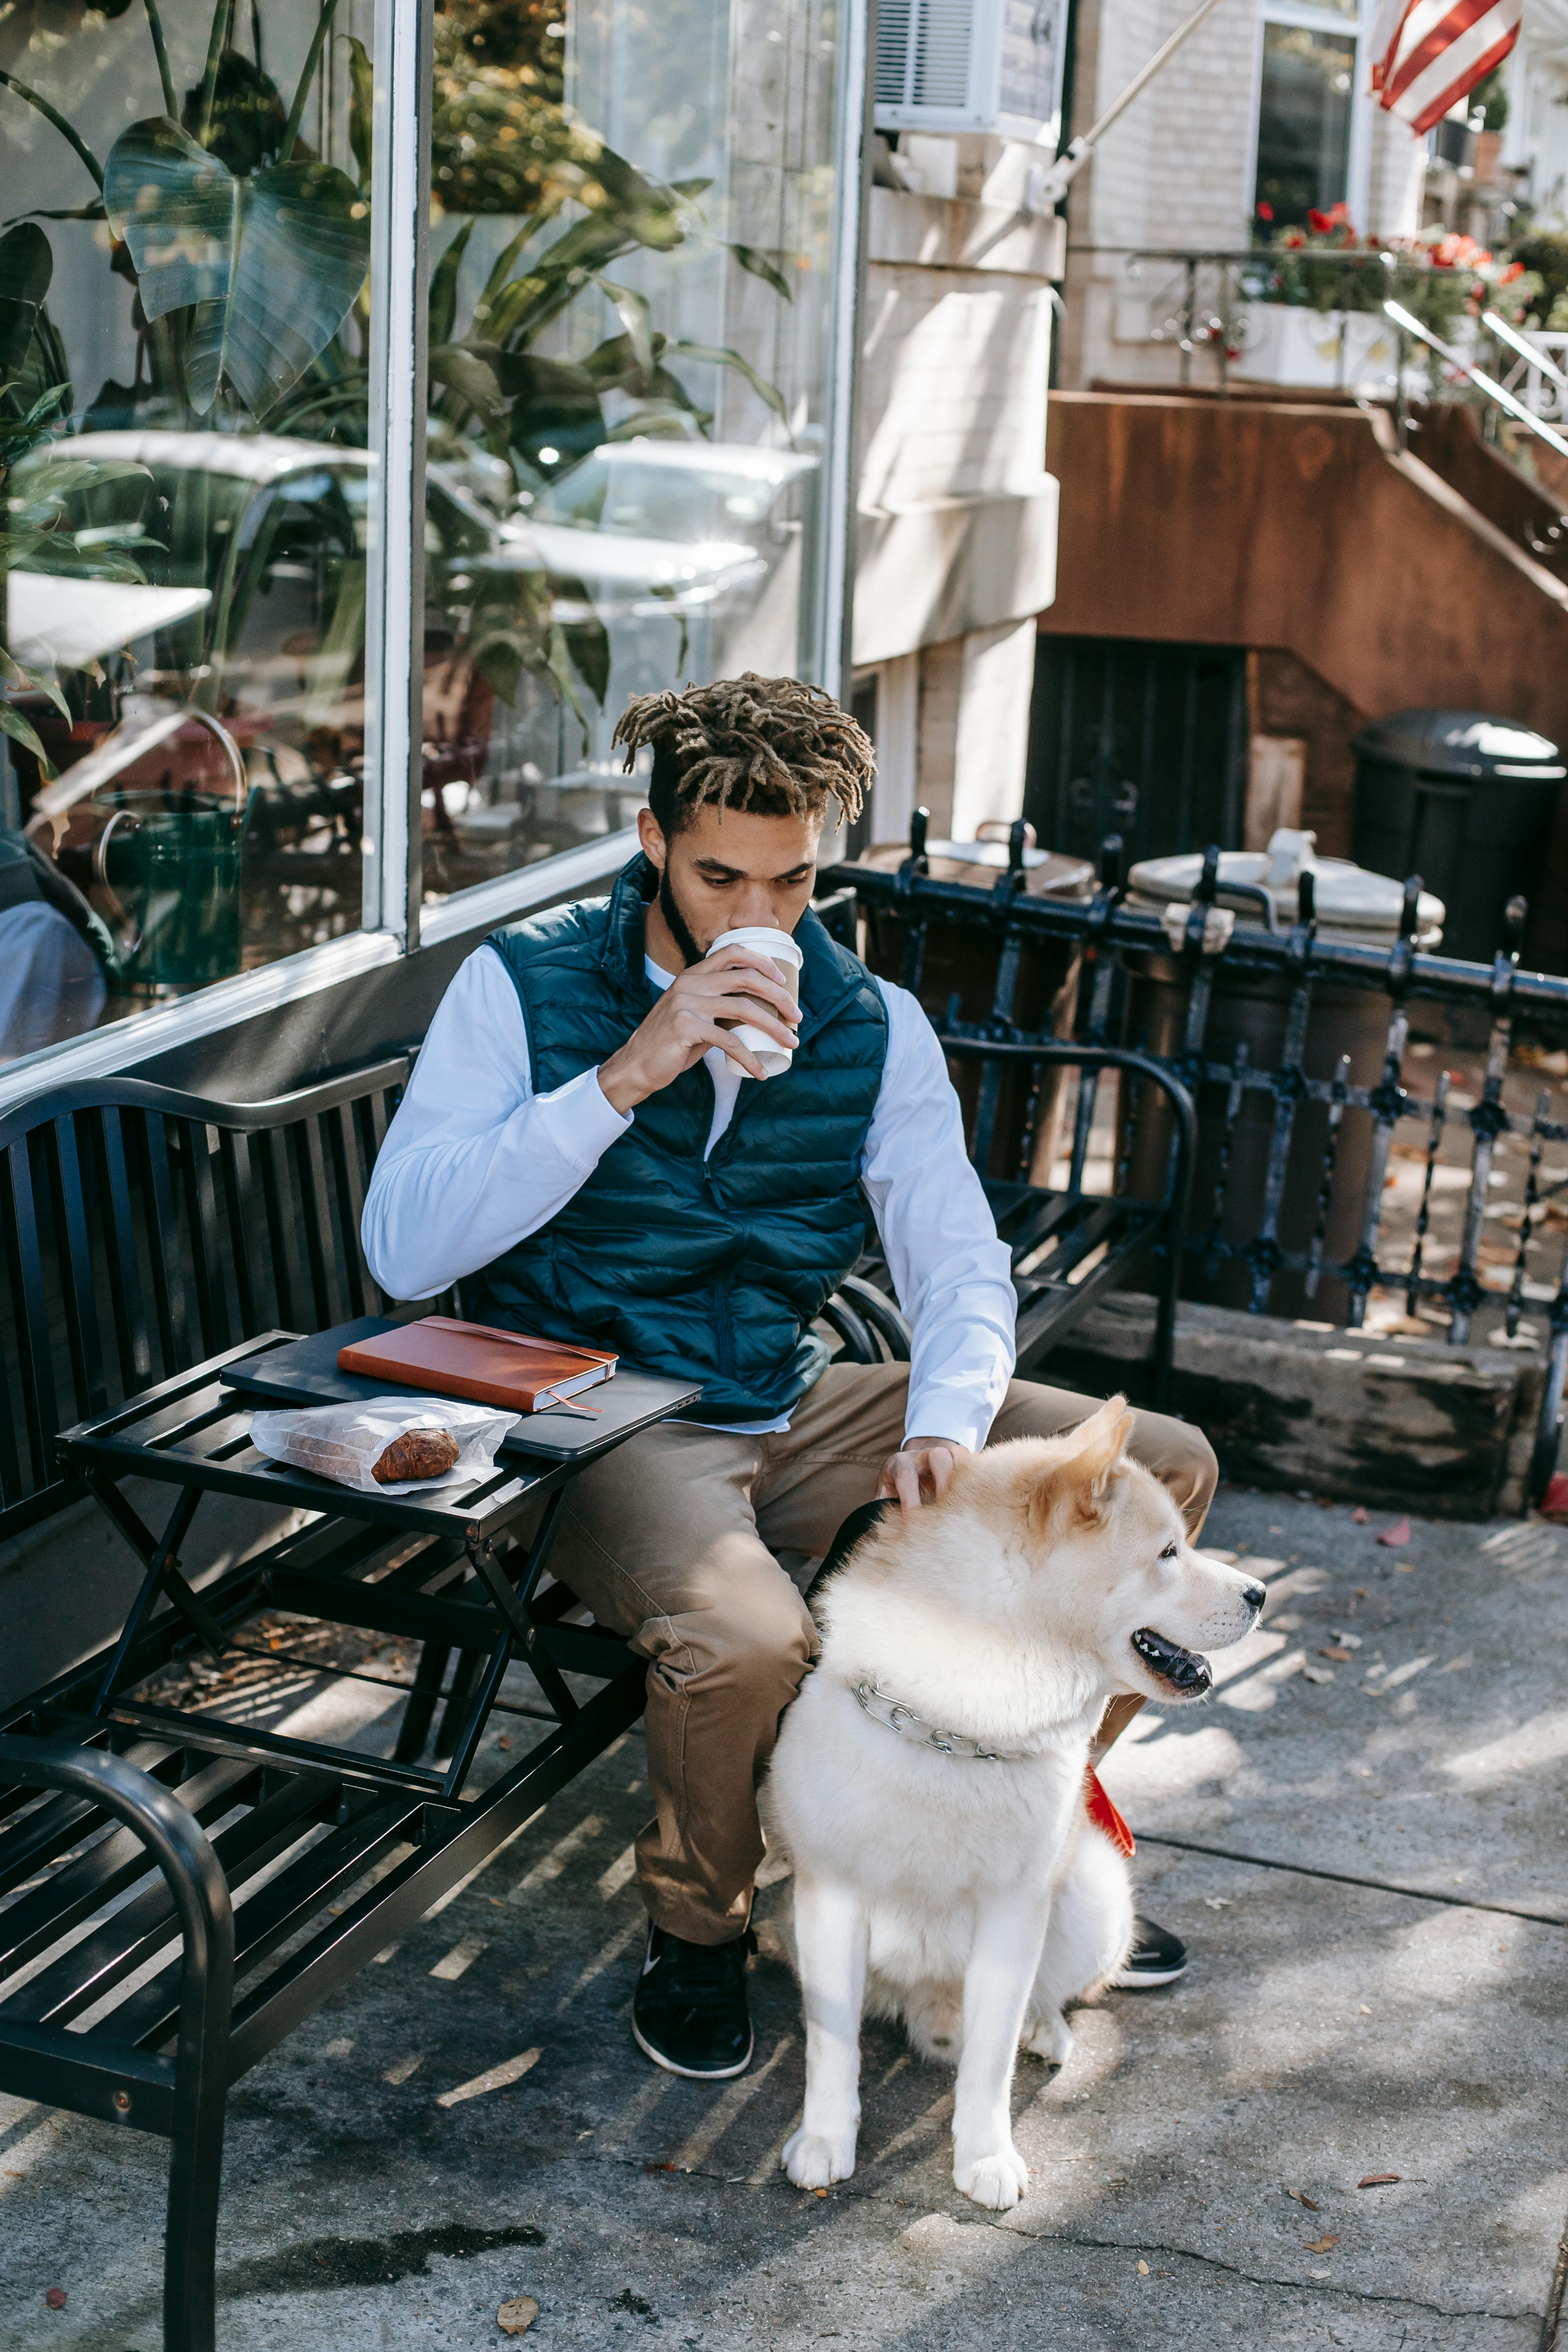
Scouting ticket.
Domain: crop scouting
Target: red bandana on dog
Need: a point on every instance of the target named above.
(1104, 1815)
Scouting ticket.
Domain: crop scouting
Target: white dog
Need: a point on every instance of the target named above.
(929, 1782)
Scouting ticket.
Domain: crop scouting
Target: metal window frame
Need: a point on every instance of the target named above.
(833, 590)
(400, 268)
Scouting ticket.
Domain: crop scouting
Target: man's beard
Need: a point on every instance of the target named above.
(679, 928)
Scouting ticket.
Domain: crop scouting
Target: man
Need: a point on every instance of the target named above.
(598, 1158)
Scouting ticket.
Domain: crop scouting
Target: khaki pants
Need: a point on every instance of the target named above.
(670, 1540)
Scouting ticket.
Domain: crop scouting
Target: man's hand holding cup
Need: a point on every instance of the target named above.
(742, 997)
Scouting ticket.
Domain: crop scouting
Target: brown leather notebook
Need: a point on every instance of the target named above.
(510, 1369)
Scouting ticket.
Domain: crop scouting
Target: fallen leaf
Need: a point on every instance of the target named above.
(1302, 2199)
(1378, 2180)
(1142, 2273)
(1365, 2011)
(1320, 2245)
(518, 2313)
(1346, 1640)
(1318, 1674)
(1399, 1533)
(55, 2296)
(1337, 1650)
(1359, 1515)
(819, 2193)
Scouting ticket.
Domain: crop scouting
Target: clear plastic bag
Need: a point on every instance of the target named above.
(343, 1441)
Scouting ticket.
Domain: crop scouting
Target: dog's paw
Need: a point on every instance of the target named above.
(816, 2160)
(997, 2180)
(1049, 2038)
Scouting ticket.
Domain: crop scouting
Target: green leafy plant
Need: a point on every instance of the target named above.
(1439, 276)
(247, 256)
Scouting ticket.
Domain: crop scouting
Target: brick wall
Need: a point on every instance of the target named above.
(952, 384)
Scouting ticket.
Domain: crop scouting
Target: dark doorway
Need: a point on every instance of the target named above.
(1146, 741)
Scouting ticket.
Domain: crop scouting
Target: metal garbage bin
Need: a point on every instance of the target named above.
(1236, 1140)
(960, 968)
(1465, 800)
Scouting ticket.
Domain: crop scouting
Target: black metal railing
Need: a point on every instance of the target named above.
(1236, 1215)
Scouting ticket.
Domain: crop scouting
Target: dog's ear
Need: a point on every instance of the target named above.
(1079, 1482)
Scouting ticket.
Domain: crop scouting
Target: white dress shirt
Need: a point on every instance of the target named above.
(475, 1161)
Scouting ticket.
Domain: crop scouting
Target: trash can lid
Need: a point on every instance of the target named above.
(1349, 903)
(1474, 743)
(1047, 873)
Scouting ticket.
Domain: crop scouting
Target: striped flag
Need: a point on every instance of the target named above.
(1427, 55)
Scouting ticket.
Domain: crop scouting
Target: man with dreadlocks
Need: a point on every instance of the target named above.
(588, 1148)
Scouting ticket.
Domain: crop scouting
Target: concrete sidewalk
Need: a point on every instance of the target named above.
(1195, 2167)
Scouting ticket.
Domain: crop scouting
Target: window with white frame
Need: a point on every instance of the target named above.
(1311, 123)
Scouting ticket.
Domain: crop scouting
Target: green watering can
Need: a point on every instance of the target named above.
(169, 862)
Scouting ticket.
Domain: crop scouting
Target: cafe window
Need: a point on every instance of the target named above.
(184, 315)
(628, 325)
(1305, 124)
(233, 728)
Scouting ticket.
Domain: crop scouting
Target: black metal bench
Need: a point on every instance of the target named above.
(147, 1240)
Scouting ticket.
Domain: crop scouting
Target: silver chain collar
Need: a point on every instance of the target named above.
(903, 1719)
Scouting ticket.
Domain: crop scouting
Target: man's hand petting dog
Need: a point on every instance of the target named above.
(736, 984)
(921, 1472)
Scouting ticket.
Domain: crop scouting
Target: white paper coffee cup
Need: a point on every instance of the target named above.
(781, 951)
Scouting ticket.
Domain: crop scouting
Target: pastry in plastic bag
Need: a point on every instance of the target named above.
(387, 1445)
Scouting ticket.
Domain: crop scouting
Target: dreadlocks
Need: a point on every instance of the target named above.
(773, 746)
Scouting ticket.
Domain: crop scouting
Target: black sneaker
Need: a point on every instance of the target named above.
(689, 2012)
(1157, 1958)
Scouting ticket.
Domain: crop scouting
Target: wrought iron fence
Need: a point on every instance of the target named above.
(1211, 959)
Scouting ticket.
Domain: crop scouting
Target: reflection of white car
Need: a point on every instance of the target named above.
(651, 527)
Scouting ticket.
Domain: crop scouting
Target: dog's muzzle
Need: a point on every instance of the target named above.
(1182, 1670)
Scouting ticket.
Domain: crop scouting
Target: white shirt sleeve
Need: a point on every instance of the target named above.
(474, 1160)
(953, 1277)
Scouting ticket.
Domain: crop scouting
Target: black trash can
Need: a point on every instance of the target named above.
(1465, 800)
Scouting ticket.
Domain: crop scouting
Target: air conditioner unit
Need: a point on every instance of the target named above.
(970, 65)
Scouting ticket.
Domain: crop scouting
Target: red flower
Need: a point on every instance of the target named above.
(1265, 212)
(1318, 222)
(1515, 269)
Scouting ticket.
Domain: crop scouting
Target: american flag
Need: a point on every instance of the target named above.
(1427, 55)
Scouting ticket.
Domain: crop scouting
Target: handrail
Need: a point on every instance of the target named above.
(185, 1855)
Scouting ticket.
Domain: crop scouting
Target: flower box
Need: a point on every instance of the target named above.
(1288, 343)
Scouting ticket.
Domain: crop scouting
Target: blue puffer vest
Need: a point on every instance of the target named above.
(709, 1270)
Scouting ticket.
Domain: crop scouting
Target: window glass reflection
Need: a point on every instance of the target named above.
(183, 314)
(1303, 125)
(627, 339)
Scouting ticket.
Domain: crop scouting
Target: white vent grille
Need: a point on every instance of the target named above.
(896, 21)
(941, 61)
(970, 64)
